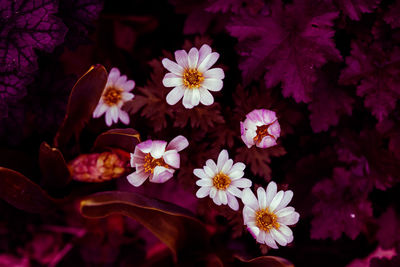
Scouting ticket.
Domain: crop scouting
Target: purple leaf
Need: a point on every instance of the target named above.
(355, 8)
(291, 44)
(393, 14)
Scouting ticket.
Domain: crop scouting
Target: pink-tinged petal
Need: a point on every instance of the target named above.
(137, 178)
(275, 129)
(113, 76)
(232, 202)
(124, 117)
(179, 143)
(209, 171)
(211, 164)
(222, 158)
(145, 146)
(175, 95)
(261, 237)
(128, 86)
(187, 99)
(249, 215)
(172, 158)
(249, 136)
(275, 202)
(284, 212)
(121, 81)
(114, 113)
(100, 109)
(287, 197)
(234, 191)
(204, 182)
(108, 118)
(256, 115)
(227, 166)
(213, 192)
(203, 192)
(248, 142)
(242, 183)
(133, 160)
(271, 192)
(204, 51)
(127, 96)
(161, 175)
(206, 97)
(238, 166)
(172, 66)
(269, 241)
(262, 198)
(285, 231)
(193, 57)
(266, 142)
(290, 219)
(208, 62)
(222, 197)
(249, 199)
(254, 231)
(137, 157)
(214, 85)
(216, 200)
(278, 237)
(289, 239)
(215, 73)
(200, 173)
(172, 80)
(158, 148)
(195, 97)
(181, 58)
(242, 129)
(268, 116)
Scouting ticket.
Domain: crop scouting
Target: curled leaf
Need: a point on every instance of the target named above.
(172, 224)
(82, 101)
(270, 261)
(125, 139)
(22, 193)
(53, 167)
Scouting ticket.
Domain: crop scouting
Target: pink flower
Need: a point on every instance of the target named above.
(156, 160)
(260, 128)
(192, 77)
(115, 94)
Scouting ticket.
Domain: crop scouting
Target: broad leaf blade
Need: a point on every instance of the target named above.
(125, 139)
(267, 261)
(22, 193)
(82, 101)
(172, 224)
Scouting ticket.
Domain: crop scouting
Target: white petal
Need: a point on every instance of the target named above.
(249, 199)
(161, 175)
(238, 166)
(145, 146)
(254, 231)
(232, 202)
(128, 86)
(278, 237)
(234, 191)
(124, 117)
(286, 231)
(137, 178)
(271, 192)
(249, 215)
(208, 61)
(172, 158)
(222, 197)
(113, 75)
(275, 202)
(114, 113)
(193, 57)
(172, 66)
(172, 80)
(284, 212)
(200, 173)
(121, 81)
(195, 97)
(108, 118)
(261, 237)
(269, 241)
(227, 166)
(158, 148)
(100, 109)
(214, 85)
(242, 183)
(181, 58)
(211, 164)
(215, 73)
(289, 219)
(127, 96)
(175, 95)
(209, 171)
(204, 182)
(203, 192)
(213, 192)
(236, 175)
(204, 51)
(179, 143)
(287, 197)
(187, 99)
(222, 158)
(206, 97)
(262, 198)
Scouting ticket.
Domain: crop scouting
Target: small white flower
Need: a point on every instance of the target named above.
(115, 94)
(260, 128)
(221, 180)
(267, 217)
(192, 77)
(156, 160)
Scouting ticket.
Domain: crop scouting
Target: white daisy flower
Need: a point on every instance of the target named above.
(192, 77)
(221, 181)
(156, 160)
(267, 218)
(260, 128)
(115, 94)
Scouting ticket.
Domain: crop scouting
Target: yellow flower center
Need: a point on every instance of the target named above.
(112, 96)
(221, 181)
(262, 131)
(266, 220)
(151, 163)
(192, 78)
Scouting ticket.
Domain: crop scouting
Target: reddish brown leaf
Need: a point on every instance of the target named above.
(125, 139)
(270, 261)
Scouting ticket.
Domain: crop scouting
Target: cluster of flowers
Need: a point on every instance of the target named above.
(267, 215)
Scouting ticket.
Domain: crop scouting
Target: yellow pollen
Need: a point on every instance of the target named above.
(151, 163)
(262, 131)
(221, 181)
(266, 220)
(112, 96)
(192, 78)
